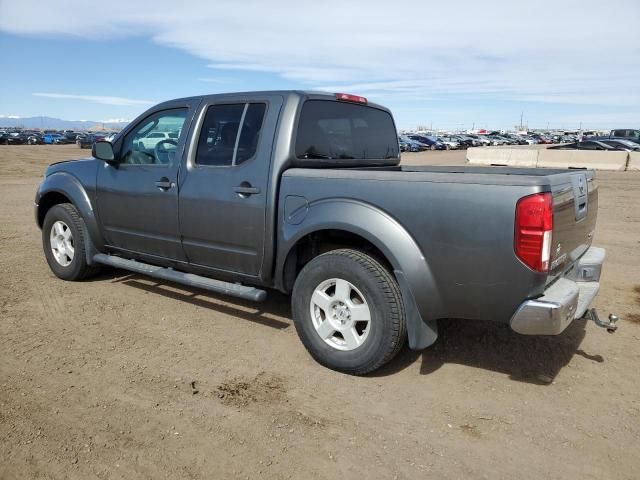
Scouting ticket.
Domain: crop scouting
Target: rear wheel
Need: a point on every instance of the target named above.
(63, 243)
(348, 311)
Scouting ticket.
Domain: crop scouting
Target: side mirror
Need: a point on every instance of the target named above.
(103, 150)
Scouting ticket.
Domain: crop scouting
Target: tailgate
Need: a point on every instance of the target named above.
(575, 208)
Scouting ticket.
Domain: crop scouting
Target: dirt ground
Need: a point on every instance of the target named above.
(125, 377)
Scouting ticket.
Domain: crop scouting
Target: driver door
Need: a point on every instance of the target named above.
(137, 199)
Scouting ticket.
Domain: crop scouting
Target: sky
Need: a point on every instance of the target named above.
(455, 64)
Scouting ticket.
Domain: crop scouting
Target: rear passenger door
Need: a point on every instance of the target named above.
(224, 191)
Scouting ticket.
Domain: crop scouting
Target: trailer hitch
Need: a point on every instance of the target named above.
(611, 326)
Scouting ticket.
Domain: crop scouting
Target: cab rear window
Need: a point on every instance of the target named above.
(330, 130)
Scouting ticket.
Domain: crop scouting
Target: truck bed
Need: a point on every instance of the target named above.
(463, 218)
(455, 174)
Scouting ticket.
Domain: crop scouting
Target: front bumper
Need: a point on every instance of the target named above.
(566, 299)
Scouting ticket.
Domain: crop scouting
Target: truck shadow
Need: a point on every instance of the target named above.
(494, 346)
(486, 345)
(265, 313)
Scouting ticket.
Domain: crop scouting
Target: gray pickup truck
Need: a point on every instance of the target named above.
(303, 192)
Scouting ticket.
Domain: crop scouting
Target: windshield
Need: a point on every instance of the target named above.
(336, 130)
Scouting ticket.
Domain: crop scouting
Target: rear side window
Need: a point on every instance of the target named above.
(250, 133)
(229, 134)
(344, 131)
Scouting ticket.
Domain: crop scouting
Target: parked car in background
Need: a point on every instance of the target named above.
(463, 142)
(542, 139)
(53, 138)
(633, 140)
(586, 145)
(621, 143)
(13, 138)
(431, 143)
(87, 140)
(631, 133)
(497, 140)
(34, 138)
(516, 139)
(414, 146)
(154, 138)
(470, 141)
(481, 139)
(450, 142)
(408, 145)
(529, 140)
(68, 138)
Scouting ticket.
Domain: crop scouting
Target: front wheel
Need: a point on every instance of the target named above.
(63, 243)
(348, 311)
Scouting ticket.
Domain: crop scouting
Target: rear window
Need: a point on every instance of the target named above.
(345, 131)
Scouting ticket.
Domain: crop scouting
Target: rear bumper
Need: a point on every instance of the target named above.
(566, 299)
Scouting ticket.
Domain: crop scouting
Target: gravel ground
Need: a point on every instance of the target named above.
(126, 377)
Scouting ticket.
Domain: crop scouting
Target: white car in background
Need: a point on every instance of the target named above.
(150, 141)
(450, 142)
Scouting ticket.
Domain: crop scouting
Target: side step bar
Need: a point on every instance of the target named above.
(217, 286)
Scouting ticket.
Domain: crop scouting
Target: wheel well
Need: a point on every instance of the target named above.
(322, 241)
(48, 201)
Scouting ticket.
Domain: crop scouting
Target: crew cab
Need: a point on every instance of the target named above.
(303, 192)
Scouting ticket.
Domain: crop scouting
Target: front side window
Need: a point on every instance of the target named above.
(336, 130)
(155, 139)
(229, 134)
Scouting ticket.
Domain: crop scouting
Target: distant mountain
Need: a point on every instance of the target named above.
(59, 124)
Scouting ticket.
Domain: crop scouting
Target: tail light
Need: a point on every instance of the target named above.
(534, 224)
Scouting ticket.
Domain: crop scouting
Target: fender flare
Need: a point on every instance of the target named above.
(421, 296)
(69, 186)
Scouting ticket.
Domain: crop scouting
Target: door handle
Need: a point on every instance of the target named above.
(164, 183)
(246, 189)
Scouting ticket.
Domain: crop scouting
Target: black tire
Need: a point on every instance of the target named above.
(77, 269)
(381, 292)
(432, 147)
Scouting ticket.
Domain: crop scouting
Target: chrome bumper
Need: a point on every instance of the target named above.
(567, 299)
